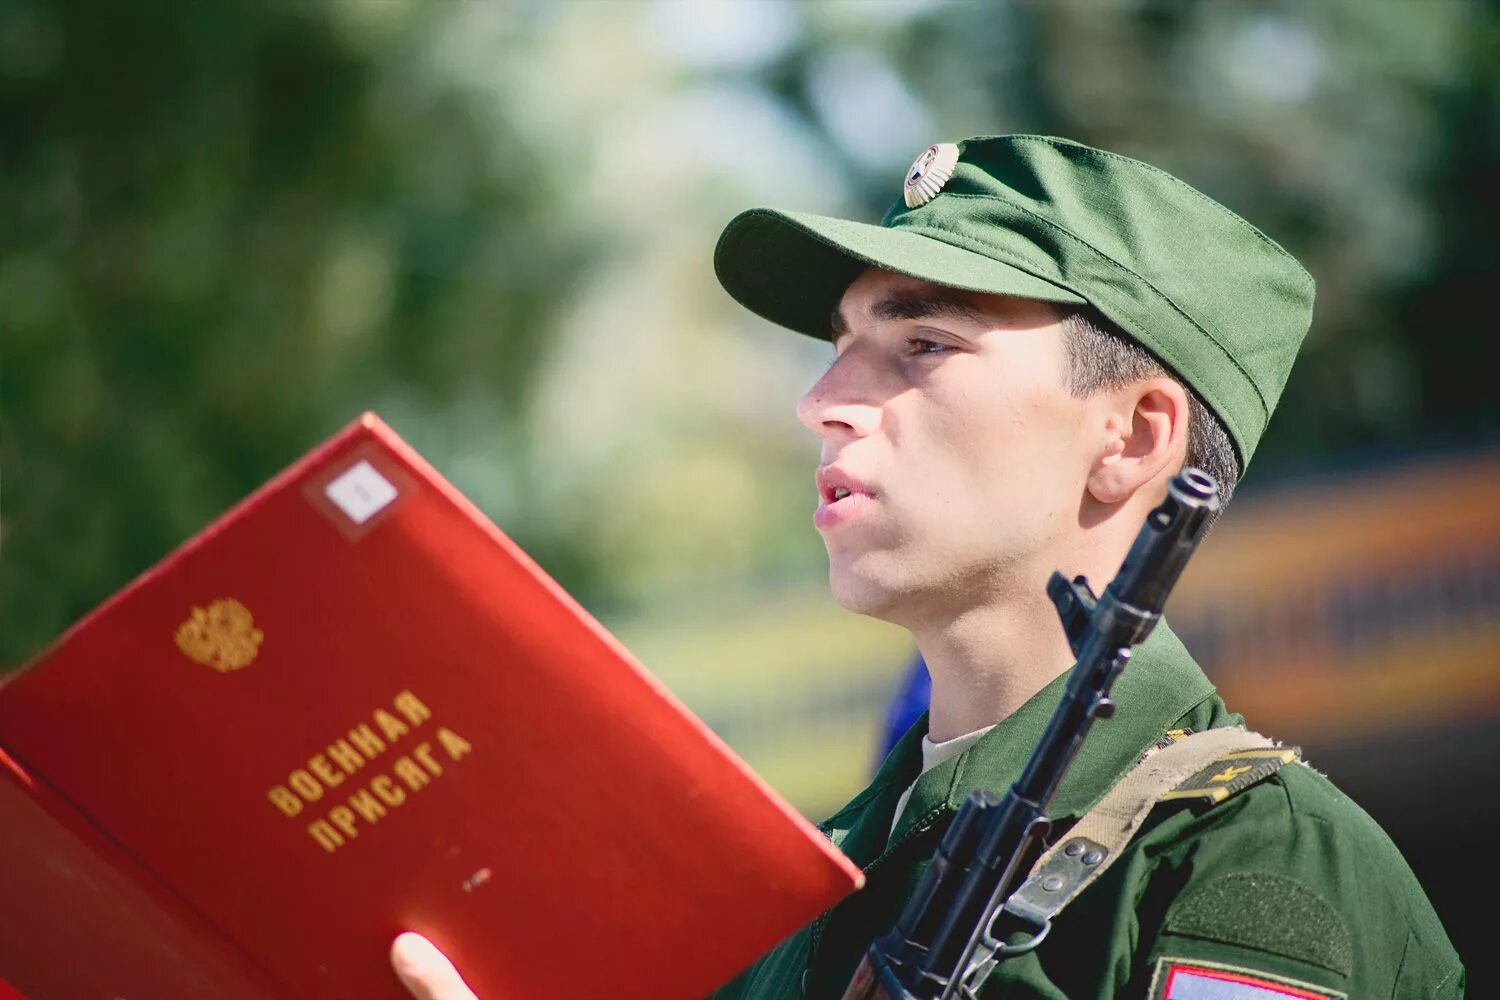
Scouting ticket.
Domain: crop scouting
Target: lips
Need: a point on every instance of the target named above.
(835, 484)
(841, 497)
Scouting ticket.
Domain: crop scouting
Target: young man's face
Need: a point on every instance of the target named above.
(947, 418)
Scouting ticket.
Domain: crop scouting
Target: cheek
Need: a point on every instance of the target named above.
(1012, 448)
(984, 427)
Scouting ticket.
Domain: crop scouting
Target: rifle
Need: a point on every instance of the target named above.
(944, 944)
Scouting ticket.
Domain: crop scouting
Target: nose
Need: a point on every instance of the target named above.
(840, 405)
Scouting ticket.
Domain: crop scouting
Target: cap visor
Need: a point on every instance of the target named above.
(792, 268)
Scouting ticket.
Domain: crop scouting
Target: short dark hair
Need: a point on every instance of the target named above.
(1102, 357)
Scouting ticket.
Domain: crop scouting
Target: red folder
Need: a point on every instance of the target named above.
(351, 707)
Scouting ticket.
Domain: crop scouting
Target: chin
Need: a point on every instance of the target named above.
(894, 587)
(863, 593)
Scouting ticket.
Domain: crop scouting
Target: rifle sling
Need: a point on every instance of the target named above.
(1187, 768)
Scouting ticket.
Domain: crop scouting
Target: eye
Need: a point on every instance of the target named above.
(922, 345)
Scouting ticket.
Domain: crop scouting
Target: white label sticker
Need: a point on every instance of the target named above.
(361, 492)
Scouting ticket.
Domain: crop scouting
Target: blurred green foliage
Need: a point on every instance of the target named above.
(232, 227)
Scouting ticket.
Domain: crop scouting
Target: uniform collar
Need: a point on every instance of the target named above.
(1159, 686)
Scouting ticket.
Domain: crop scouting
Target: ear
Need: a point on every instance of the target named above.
(1146, 436)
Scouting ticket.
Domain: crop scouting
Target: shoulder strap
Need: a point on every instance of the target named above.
(1212, 765)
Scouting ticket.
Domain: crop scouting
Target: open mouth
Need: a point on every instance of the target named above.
(833, 494)
(841, 498)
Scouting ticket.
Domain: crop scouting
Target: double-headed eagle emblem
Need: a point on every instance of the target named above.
(222, 636)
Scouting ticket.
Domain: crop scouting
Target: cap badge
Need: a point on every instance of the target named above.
(929, 173)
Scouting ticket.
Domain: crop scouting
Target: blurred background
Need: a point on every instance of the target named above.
(229, 228)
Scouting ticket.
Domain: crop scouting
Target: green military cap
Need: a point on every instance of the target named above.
(1211, 296)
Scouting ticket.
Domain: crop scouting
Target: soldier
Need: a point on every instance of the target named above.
(1032, 342)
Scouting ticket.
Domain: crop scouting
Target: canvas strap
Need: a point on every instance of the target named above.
(1211, 765)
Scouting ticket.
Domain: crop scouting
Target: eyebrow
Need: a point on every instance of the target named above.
(939, 304)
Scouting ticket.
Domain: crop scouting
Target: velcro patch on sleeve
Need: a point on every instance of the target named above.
(1192, 979)
(1232, 773)
(1267, 912)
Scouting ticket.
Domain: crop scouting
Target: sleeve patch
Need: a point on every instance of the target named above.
(1266, 912)
(1183, 979)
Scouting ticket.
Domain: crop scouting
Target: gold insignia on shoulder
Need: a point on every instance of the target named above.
(1233, 772)
(928, 173)
(222, 636)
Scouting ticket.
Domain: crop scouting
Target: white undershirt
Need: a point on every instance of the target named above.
(934, 754)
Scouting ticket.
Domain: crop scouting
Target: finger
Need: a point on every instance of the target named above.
(425, 971)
